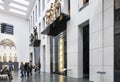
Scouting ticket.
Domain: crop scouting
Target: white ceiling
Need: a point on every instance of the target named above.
(6, 5)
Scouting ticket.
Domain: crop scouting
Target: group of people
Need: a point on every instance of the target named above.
(26, 69)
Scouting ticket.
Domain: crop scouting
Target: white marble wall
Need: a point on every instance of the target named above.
(20, 37)
(45, 57)
(44, 39)
(101, 39)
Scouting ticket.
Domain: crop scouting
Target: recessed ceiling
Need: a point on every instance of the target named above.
(20, 8)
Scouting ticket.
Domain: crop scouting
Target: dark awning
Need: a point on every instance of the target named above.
(57, 26)
(35, 43)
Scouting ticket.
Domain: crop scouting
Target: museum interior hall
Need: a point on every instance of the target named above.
(59, 41)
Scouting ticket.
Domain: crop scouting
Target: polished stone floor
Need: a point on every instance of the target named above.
(42, 77)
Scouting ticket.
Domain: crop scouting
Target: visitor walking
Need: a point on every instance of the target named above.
(39, 66)
(22, 69)
(30, 67)
(10, 70)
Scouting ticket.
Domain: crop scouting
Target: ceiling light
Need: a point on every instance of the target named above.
(1, 7)
(1, 1)
(18, 6)
(17, 11)
(24, 2)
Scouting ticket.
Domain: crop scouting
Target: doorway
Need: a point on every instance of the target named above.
(116, 41)
(44, 58)
(117, 58)
(86, 52)
(36, 54)
(83, 50)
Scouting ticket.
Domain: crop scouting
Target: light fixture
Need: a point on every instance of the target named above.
(1, 1)
(61, 54)
(17, 11)
(18, 6)
(24, 2)
(1, 7)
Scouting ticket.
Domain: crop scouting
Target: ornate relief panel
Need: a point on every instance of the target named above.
(7, 42)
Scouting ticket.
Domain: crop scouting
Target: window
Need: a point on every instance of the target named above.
(36, 13)
(43, 5)
(7, 28)
(30, 24)
(43, 22)
(82, 4)
(85, 1)
(39, 30)
(43, 26)
(39, 8)
(33, 18)
(31, 21)
(69, 7)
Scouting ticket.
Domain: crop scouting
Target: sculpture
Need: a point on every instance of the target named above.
(52, 12)
(4, 58)
(35, 33)
(57, 8)
(10, 58)
(47, 16)
(7, 42)
(15, 58)
(31, 37)
(84, 1)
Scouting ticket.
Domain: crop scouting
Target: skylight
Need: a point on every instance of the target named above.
(1, 1)
(24, 2)
(1, 7)
(18, 6)
(17, 11)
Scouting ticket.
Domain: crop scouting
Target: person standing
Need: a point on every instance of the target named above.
(22, 69)
(10, 70)
(30, 67)
(10, 66)
(39, 66)
(25, 68)
(35, 67)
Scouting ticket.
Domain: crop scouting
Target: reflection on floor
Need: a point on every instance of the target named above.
(42, 77)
